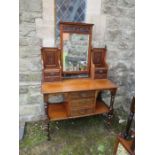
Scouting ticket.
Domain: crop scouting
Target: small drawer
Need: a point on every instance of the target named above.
(79, 112)
(100, 76)
(83, 94)
(52, 73)
(80, 103)
(51, 78)
(100, 71)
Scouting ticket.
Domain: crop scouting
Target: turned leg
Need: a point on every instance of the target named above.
(133, 145)
(126, 134)
(110, 113)
(99, 96)
(46, 115)
(48, 130)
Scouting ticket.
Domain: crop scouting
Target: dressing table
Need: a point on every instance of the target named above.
(78, 72)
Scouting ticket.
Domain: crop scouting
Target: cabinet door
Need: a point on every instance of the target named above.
(99, 56)
(50, 57)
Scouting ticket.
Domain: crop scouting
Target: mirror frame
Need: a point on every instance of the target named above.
(78, 28)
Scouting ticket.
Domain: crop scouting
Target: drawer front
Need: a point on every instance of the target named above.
(51, 73)
(100, 76)
(51, 78)
(100, 71)
(79, 112)
(83, 94)
(80, 103)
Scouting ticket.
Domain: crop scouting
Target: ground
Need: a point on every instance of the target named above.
(82, 136)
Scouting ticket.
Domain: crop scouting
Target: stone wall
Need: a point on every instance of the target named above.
(31, 102)
(113, 25)
(120, 41)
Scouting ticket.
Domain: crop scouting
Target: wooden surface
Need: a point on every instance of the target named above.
(72, 85)
(58, 111)
(51, 64)
(50, 57)
(99, 67)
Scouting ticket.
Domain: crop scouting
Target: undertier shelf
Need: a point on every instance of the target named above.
(58, 111)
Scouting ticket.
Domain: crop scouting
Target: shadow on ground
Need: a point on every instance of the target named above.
(83, 136)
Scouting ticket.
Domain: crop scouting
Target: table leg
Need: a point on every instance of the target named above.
(127, 133)
(99, 95)
(46, 115)
(110, 114)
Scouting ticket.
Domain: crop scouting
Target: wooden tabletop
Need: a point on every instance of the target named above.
(72, 85)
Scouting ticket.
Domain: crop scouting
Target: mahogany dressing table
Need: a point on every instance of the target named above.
(78, 72)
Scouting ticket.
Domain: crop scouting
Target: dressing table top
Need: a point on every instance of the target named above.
(71, 85)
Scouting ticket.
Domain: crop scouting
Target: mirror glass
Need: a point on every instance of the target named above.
(75, 52)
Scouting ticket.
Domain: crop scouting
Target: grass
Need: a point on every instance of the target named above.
(34, 134)
(82, 136)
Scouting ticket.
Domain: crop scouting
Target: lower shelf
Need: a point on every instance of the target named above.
(58, 111)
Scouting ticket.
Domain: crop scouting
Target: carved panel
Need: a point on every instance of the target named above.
(99, 56)
(50, 57)
(76, 29)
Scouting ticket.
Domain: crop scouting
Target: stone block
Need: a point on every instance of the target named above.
(29, 109)
(109, 2)
(35, 99)
(126, 3)
(23, 89)
(30, 41)
(113, 23)
(30, 77)
(35, 77)
(25, 29)
(23, 99)
(111, 46)
(114, 11)
(35, 89)
(131, 13)
(107, 9)
(121, 90)
(120, 54)
(127, 24)
(29, 118)
(123, 24)
(30, 5)
(110, 56)
(30, 64)
(127, 36)
(29, 16)
(29, 52)
(121, 12)
(23, 77)
(113, 35)
(123, 45)
(119, 101)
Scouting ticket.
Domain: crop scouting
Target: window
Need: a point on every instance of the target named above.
(70, 11)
